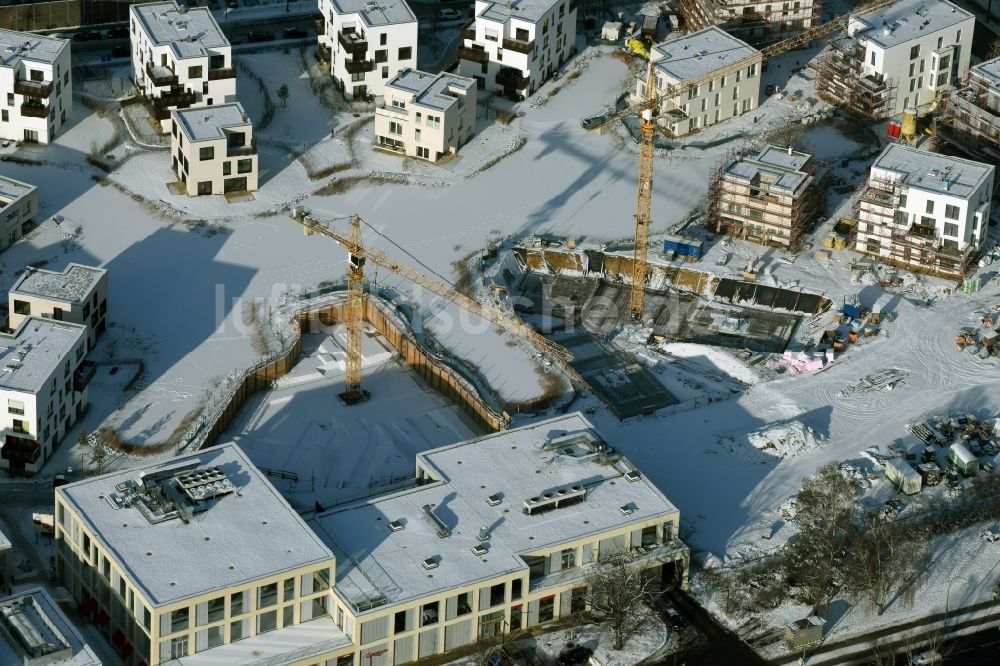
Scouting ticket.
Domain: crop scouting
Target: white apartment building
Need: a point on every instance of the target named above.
(924, 211)
(758, 22)
(78, 294)
(901, 56)
(426, 115)
(367, 43)
(35, 632)
(197, 561)
(43, 389)
(18, 204)
(212, 150)
(679, 60)
(180, 58)
(512, 48)
(497, 535)
(36, 86)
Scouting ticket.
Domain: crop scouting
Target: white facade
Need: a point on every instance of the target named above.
(78, 295)
(180, 58)
(513, 48)
(212, 150)
(922, 46)
(426, 115)
(368, 43)
(695, 55)
(41, 391)
(18, 204)
(919, 207)
(36, 86)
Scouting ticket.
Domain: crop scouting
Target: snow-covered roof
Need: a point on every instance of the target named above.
(188, 31)
(699, 53)
(206, 123)
(527, 10)
(782, 165)
(431, 90)
(909, 19)
(227, 540)
(289, 645)
(30, 355)
(934, 172)
(32, 627)
(989, 70)
(902, 467)
(16, 46)
(73, 285)
(11, 190)
(561, 456)
(376, 12)
(962, 452)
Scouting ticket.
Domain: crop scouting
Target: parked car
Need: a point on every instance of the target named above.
(673, 619)
(120, 52)
(449, 14)
(594, 121)
(260, 36)
(294, 33)
(86, 36)
(118, 32)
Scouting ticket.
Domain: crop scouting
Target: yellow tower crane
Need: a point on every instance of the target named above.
(647, 108)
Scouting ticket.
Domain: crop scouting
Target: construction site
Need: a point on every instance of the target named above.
(841, 80)
(968, 119)
(769, 196)
(756, 23)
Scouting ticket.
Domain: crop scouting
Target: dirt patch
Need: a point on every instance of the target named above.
(342, 185)
(511, 148)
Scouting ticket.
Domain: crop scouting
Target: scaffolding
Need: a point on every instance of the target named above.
(883, 231)
(753, 210)
(841, 80)
(756, 23)
(966, 121)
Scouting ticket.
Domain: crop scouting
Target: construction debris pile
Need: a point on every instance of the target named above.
(981, 341)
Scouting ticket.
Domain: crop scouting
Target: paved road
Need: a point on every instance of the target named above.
(722, 645)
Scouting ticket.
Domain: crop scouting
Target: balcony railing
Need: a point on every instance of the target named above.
(519, 45)
(242, 151)
(475, 55)
(923, 231)
(224, 73)
(29, 110)
(158, 77)
(41, 89)
(173, 99)
(359, 66)
(469, 31)
(645, 556)
(20, 447)
(83, 374)
(352, 42)
(509, 77)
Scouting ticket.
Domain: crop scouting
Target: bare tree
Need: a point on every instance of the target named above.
(882, 561)
(617, 589)
(283, 95)
(994, 51)
(98, 451)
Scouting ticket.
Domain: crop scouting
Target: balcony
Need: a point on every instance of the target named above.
(475, 55)
(171, 99)
(469, 31)
(20, 449)
(922, 231)
(160, 76)
(359, 66)
(224, 73)
(242, 151)
(519, 45)
(508, 77)
(83, 374)
(646, 556)
(352, 42)
(40, 89)
(33, 110)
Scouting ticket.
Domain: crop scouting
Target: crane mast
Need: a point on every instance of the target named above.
(644, 199)
(354, 314)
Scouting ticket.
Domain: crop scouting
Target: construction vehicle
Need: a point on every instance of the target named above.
(646, 110)
(359, 255)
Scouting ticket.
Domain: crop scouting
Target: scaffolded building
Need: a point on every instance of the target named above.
(758, 23)
(768, 196)
(841, 80)
(969, 118)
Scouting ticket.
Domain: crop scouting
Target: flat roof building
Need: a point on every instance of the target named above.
(36, 86)
(18, 205)
(35, 632)
(767, 196)
(78, 294)
(213, 150)
(759, 22)
(677, 61)
(497, 534)
(196, 554)
(969, 118)
(924, 211)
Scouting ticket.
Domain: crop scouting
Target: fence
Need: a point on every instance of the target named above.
(63, 14)
(394, 329)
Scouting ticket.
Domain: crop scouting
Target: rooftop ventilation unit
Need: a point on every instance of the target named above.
(493, 500)
(632, 475)
(396, 526)
(205, 484)
(625, 509)
(480, 549)
(555, 499)
(483, 534)
(442, 529)
(429, 563)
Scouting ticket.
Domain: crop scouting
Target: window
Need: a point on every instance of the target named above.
(15, 407)
(942, 79)
(568, 557)
(227, 168)
(288, 591)
(19, 426)
(382, 55)
(872, 59)
(239, 630)
(22, 307)
(416, 134)
(951, 212)
(434, 121)
(951, 229)
(926, 221)
(515, 589)
(179, 620)
(399, 623)
(267, 595)
(649, 535)
(357, 76)
(237, 603)
(216, 609)
(498, 594)
(4, 116)
(205, 187)
(244, 166)
(902, 201)
(419, 117)
(405, 52)
(288, 615)
(395, 128)
(915, 52)
(382, 38)
(912, 66)
(958, 36)
(930, 206)
(385, 72)
(210, 638)
(194, 72)
(206, 154)
(267, 621)
(546, 608)
(178, 647)
(429, 614)
(940, 41)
